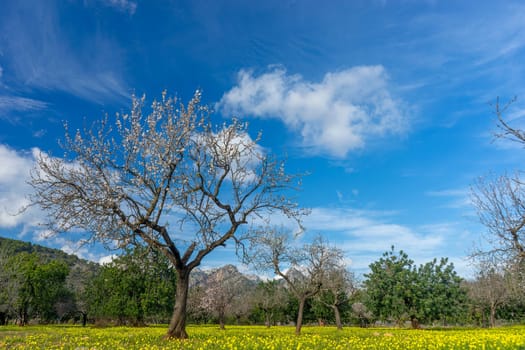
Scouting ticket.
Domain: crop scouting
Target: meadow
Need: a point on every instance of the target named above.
(258, 337)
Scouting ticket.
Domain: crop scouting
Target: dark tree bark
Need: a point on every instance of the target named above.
(299, 323)
(337, 315)
(177, 326)
(414, 322)
(493, 308)
(222, 322)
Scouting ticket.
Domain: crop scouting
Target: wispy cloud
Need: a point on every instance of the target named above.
(334, 116)
(125, 6)
(43, 56)
(371, 230)
(365, 234)
(456, 198)
(469, 43)
(16, 103)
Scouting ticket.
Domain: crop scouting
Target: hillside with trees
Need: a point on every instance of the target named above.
(40, 283)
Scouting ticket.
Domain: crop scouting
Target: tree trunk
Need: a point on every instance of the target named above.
(177, 326)
(492, 315)
(299, 322)
(221, 320)
(337, 315)
(267, 319)
(414, 321)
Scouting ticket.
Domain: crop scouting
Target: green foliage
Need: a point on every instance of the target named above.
(397, 290)
(441, 296)
(136, 286)
(34, 288)
(388, 285)
(12, 247)
(43, 269)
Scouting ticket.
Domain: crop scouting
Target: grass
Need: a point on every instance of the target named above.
(257, 337)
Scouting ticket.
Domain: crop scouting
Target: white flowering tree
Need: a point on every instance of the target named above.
(166, 178)
(222, 288)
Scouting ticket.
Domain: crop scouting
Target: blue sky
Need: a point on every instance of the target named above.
(386, 104)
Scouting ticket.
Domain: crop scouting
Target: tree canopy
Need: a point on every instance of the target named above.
(397, 290)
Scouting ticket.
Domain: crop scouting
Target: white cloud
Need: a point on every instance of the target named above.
(371, 231)
(334, 116)
(122, 5)
(107, 259)
(14, 189)
(364, 235)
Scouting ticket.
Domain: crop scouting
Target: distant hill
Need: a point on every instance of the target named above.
(12, 247)
(80, 269)
(200, 277)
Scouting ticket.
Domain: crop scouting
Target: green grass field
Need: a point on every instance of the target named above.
(257, 337)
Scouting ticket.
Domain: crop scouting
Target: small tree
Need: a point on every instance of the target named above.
(222, 287)
(500, 205)
(168, 179)
(34, 287)
(397, 290)
(440, 293)
(270, 297)
(303, 269)
(78, 280)
(338, 287)
(389, 287)
(490, 290)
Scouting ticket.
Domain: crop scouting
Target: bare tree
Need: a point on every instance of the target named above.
(339, 284)
(500, 201)
(243, 302)
(270, 296)
(168, 179)
(303, 269)
(500, 204)
(361, 312)
(490, 290)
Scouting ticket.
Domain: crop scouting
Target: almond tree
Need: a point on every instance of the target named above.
(500, 202)
(165, 178)
(304, 269)
(269, 296)
(339, 285)
(222, 287)
(492, 287)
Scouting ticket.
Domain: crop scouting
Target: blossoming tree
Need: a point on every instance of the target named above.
(165, 177)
